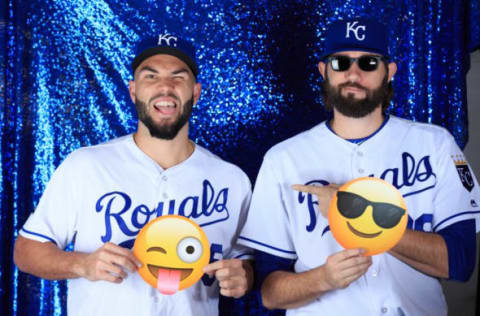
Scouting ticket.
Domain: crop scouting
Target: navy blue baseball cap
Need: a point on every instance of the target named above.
(357, 35)
(166, 44)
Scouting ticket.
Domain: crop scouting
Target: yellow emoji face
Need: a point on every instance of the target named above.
(173, 250)
(368, 213)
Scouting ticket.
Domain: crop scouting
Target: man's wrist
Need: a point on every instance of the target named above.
(76, 266)
(321, 276)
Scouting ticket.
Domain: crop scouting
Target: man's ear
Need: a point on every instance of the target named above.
(131, 90)
(322, 68)
(392, 69)
(197, 89)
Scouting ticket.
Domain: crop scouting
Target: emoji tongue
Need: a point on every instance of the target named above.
(168, 281)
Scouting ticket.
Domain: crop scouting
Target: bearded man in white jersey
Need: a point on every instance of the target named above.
(303, 268)
(101, 196)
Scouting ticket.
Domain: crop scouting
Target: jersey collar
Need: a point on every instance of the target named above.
(359, 141)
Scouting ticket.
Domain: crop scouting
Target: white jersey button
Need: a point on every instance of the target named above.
(164, 178)
(165, 195)
(359, 153)
(360, 170)
(374, 273)
(384, 310)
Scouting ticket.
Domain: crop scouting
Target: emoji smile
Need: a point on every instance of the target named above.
(184, 273)
(360, 234)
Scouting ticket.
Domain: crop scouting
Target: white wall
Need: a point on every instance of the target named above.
(461, 297)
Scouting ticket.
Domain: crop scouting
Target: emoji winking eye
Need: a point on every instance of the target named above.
(173, 250)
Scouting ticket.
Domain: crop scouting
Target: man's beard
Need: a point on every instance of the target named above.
(349, 105)
(164, 131)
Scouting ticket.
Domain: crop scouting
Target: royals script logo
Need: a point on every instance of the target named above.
(412, 177)
(118, 211)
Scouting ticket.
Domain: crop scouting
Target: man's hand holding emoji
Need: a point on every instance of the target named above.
(107, 263)
(344, 267)
(235, 276)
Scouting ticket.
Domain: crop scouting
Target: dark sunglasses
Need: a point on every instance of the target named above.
(365, 63)
(352, 205)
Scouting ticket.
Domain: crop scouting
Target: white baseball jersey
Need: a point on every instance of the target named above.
(421, 160)
(108, 192)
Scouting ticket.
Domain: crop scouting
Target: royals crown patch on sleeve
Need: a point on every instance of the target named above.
(464, 172)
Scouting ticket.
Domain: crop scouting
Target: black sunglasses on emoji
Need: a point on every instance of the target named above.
(352, 205)
(365, 63)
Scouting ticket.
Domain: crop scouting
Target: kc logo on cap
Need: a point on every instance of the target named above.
(169, 44)
(356, 34)
(355, 28)
(167, 39)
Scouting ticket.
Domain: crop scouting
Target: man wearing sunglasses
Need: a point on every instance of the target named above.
(303, 268)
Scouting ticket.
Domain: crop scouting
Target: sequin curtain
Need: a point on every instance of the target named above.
(65, 68)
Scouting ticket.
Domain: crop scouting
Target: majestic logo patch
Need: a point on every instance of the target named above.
(464, 172)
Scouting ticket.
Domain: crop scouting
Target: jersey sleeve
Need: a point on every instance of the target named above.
(53, 219)
(457, 197)
(267, 228)
(240, 251)
(461, 244)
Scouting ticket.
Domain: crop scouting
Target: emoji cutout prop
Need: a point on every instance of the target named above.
(368, 213)
(173, 250)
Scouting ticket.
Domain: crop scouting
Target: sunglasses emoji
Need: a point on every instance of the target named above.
(368, 213)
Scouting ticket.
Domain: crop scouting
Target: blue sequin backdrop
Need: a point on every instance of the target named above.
(65, 69)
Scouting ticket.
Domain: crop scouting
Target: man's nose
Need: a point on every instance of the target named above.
(164, 84)
(353, 73)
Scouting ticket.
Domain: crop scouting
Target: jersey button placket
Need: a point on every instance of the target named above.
(360, 156)
(373, 277)
(357, 157)
(164, 180)
(375, 270)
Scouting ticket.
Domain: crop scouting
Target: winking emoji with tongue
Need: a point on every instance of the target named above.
(173, 251)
